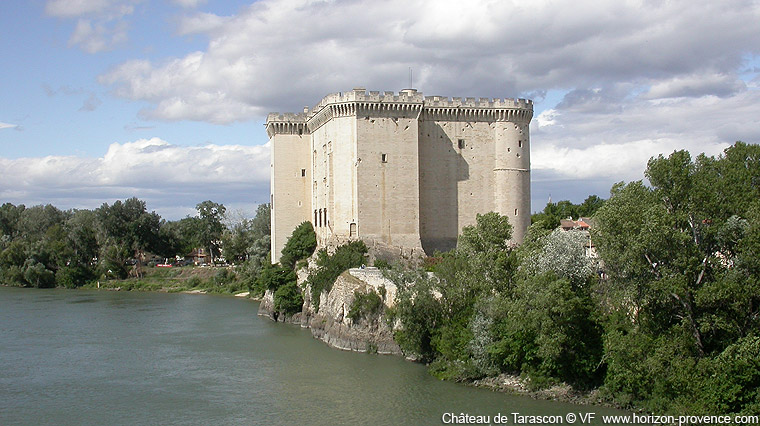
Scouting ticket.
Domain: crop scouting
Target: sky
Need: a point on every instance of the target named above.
(102, 100)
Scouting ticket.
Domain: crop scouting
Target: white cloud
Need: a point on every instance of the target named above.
(585, 151)
(189, 3)
(101, 24)
(8, 126)
(696, 85)
(98, 37)
(201, 23)
(171, 178)
(640, 77)
(282, 54)
(73, 8)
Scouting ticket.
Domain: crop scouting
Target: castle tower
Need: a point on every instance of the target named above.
(290, 176)
(511, 172)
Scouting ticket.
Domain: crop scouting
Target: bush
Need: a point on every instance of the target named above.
(194, 281)
(288, 298)
(72, 276)
(365, 306)
(382, 264)
(351, 255)
(273, 277)
(733, 379)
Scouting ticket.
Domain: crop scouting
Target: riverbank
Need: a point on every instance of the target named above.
(188, 279)
(562, 392)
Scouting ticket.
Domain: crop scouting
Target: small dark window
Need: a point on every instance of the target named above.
(461, 143)
(519, 144)
(384, 158)
(303, 172)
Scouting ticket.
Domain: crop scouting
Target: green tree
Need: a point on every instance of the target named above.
(300, 245)
(683, 286)
(127, 231)
(438, 314)
(211, 227)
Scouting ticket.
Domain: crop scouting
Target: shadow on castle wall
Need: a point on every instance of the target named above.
(441, 168)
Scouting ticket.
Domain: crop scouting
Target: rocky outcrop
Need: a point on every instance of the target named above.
(266, 309)
(332, 324)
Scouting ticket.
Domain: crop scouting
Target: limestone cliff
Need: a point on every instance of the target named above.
(332, 324)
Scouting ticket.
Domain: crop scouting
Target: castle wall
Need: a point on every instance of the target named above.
(455, 183)
(334, 181)
(290, 186)
(388, 177)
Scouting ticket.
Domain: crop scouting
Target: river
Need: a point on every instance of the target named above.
(120, 358)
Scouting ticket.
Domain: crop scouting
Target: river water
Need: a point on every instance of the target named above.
(121, 358)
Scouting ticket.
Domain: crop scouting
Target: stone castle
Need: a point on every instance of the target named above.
(400, 171)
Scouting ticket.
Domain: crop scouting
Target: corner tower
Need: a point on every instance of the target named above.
(290, 176)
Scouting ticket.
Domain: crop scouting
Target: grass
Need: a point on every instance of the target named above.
(221, 280)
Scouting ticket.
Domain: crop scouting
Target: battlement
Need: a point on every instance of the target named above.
(288, 123)
(408, 102)
(445, 102)
(361, 95)
(288, 117)
(413, 96)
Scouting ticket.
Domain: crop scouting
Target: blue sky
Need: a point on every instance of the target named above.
(165, 100)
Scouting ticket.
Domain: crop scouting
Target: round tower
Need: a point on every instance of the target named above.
(511, 171)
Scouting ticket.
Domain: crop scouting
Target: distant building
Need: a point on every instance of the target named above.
(401, 171)
(583, 225)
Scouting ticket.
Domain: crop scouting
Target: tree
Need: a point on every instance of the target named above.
(438, 313)
(211, 215)
(248, 238)
(300, 245)
(127, 231)
(683, 284)
(564, 254)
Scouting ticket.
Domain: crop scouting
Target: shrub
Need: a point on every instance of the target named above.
(351, 255)
(273, 277)
(382, 264)
(72, 276)
(194, 281)
(288, 298)
(365, 306)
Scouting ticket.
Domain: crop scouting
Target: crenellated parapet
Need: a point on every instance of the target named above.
(406, 104)
(438, 108)
(288, 124)
(360, 103)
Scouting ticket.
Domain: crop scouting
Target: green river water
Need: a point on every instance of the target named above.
(118, 358)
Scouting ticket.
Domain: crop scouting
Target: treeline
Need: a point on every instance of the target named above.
(43, 246)
(666, 318)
